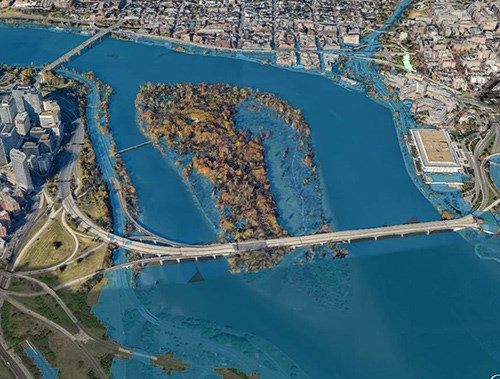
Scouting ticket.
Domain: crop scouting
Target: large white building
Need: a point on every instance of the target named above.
(435, 151)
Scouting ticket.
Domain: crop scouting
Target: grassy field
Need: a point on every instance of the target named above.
(91, 206)
(34, 230)
(78, 302)
(85, 244)
(53, 246)
(78, 268)
(58, 350)
(49, 308)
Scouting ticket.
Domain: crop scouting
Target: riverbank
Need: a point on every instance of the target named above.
(359, 75)
(300, 312)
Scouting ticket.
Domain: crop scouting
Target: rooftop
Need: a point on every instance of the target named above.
(435, 148)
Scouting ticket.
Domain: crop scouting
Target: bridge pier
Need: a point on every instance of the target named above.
(375, 238)
(427, 232)
(161, 263)
(178, 260)
(214, 256)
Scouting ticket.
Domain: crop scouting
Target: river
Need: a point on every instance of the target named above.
(413, 308)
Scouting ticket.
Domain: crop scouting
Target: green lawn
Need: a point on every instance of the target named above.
(77, 269)
(34, 230)
(53, 246)
(23, 285)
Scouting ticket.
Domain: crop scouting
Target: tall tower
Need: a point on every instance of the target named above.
(22, 123)
(8, 109)
(9, 139)
(28, 99)
(21, 170)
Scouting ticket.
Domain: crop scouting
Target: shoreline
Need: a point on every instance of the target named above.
(341, 77)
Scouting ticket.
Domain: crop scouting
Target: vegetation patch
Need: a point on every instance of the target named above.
(48, 307)
(94, 201)
(52, 246)
(197, 123)
(168, 363)
(58, 350)
(77, 299)
(232, 373)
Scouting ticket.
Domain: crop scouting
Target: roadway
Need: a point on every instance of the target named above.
(226, 249)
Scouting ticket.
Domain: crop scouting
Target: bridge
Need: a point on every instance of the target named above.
(227, 249)
(66, 57)
(134, 147)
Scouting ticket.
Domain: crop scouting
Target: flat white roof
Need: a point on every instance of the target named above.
(435, 148)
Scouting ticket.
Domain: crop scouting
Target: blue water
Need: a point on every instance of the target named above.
(48, 372)
(413, 308)
(495, 170)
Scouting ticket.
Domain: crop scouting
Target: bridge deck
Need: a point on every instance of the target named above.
(80, 47)
(293, 242)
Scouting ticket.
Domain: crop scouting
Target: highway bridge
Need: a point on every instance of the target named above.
(226, 249)
(66, 57)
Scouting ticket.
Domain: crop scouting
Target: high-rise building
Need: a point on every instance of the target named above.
(41, 163)
(21, 170)
(46, 143)
(22, 123)
(36, 132)
(9, 139)
(49, 118)
(51, 105)
(28, 99)
(30, 148)
(8, 109)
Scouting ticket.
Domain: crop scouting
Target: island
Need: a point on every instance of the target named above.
(197, 124)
